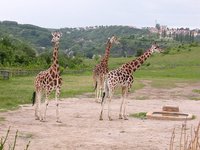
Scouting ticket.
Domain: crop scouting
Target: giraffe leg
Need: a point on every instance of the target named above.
(100, 93)
(46, 105)
(125, 104)
(102, 105)
(57, 105)
(122, 103)
(109, 101)
(39, 105)
(97, 93)
(101, 81)
(109, 113)
(36, 107)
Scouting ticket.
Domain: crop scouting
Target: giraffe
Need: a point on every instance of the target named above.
(101, 69)
(47, 81)
(123, 77)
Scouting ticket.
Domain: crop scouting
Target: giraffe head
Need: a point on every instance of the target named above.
(113, 39)
(155, 48)
(56, 37)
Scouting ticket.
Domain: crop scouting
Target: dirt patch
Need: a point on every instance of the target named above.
(81, 128)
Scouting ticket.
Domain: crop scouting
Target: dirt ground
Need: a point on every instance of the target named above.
(81, 129)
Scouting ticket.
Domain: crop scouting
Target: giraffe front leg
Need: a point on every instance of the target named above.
(36, 107)
(120, 112)
(39, 105)
(125, 104)
(122, 102)
(57, 106)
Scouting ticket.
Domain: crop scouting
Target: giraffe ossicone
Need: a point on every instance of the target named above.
(48, 81)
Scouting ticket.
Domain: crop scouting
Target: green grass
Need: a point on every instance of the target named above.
(196, 91)
(140, 115)
(15, 91)
(18, 90)
(163, 70)
(76, 85)
(183, 65)
(2, 119)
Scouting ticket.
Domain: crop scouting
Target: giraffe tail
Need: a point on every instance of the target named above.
(33, 98)
(105, 92)
(103, 97)
(95, 87)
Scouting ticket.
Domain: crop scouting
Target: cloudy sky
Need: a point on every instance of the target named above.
(81, 13)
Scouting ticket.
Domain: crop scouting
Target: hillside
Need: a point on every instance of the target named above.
(84, 41)
(87, 41)
(24, 45)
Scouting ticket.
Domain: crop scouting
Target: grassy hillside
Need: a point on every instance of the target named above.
(178, 63)
(82, 41)
(183, 64)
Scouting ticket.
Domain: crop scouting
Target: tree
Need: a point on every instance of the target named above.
(158, 26)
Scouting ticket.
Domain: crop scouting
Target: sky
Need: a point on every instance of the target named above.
(82, 13)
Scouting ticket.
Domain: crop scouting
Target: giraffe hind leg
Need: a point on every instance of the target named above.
(46, 105)
(38, 106)
(102, 106)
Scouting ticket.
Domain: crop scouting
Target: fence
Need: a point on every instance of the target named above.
(6, 74)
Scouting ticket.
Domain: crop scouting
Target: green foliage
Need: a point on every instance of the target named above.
(140, 115)
(14, 52)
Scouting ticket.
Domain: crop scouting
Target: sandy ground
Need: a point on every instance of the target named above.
(81, 128)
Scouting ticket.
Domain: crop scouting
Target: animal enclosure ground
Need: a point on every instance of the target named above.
(81, 128)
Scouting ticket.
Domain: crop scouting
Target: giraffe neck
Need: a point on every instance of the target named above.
(55, 57)
(107, 53)
(132, 66)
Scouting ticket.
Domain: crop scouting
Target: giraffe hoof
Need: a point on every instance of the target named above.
(120, 117)
(110, 119)
(125, 118)
(59, 121)
(97, 101)
(100, 118)
(37, 118)
(42, 120)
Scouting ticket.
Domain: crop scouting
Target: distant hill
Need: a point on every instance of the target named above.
(87, 41)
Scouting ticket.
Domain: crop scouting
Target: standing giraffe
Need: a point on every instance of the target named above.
(47, 81)
(101, 69)
(123, 77)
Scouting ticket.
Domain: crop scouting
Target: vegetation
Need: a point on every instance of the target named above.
(187, 141)
(28, 47)
(140, 115)
(165, 70)
(4, 144)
